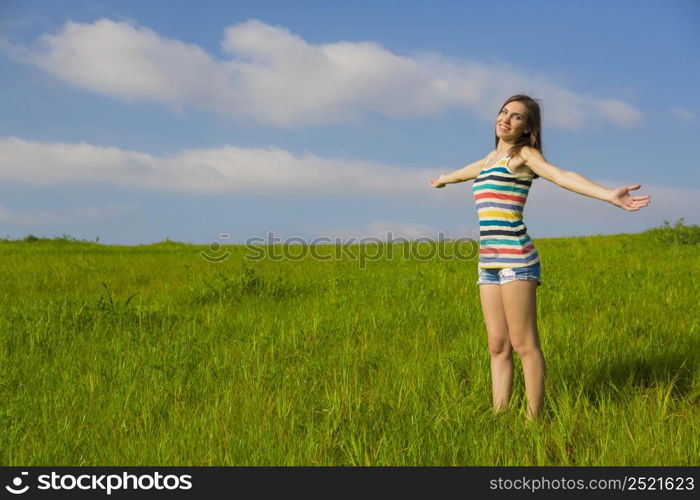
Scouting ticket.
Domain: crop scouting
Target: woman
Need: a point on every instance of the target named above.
(509, 265)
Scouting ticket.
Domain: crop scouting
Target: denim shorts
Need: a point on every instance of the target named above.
(508, 274)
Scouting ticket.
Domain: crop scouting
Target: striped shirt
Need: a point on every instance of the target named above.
(500, 198)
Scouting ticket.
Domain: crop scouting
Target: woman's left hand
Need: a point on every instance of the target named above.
(622, 198)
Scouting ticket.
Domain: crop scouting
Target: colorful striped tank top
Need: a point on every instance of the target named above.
(500, 198)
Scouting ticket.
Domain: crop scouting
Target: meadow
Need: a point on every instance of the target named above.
(152, 355)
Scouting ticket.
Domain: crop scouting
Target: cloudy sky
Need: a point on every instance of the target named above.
(139, 121)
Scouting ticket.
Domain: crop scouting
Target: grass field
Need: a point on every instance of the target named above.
(153, 356)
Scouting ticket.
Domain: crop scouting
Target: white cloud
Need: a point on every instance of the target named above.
(74, 214)
(385, 231)
(618, 112)
(551, 208)
(683, 113)
(228, 169)
(275, 77)
(231, 169)
(9, 216)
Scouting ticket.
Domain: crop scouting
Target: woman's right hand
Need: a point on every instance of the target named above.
(439, 182)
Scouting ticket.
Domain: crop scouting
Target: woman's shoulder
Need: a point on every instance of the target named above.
(527, 152)
(517, 162)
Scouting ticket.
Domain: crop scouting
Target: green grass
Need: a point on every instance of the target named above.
(152, 356)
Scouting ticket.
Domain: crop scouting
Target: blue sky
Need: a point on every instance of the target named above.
(140, 121)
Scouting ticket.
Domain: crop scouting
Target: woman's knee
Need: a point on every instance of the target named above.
(500, 347)
(526, 344)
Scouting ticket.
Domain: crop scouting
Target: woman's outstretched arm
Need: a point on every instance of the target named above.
(572, 181)
(461, 175)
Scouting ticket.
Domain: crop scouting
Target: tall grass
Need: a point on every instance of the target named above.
(153, 356)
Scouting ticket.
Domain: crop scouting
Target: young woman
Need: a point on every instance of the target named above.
(509, 265)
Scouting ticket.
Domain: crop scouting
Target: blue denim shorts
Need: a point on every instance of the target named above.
(508, 274)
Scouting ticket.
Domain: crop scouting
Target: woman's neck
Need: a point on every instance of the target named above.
(503, 147)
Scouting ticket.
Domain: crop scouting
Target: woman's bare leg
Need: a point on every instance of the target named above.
(499, 345)
(520, 305)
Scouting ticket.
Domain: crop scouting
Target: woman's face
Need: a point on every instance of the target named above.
(511, 122)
